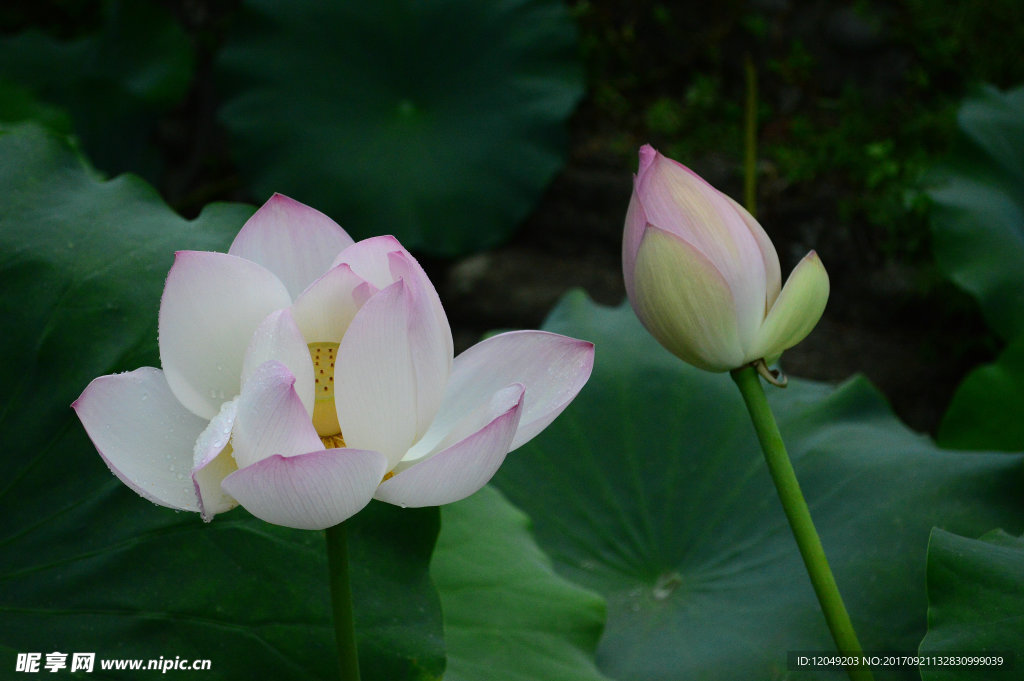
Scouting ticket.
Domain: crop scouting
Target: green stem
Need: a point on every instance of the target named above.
(750, 140)
(799, 516)
(341, 603)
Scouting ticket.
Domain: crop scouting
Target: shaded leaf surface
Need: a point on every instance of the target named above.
(985, 412)
(439, 122)
(508, 616)
(976, 603)
(978, 216)
(112, 83)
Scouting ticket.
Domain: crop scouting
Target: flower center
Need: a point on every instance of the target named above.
(325, 414)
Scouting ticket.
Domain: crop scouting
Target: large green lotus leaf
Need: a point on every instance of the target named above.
(439, 122)
(88, 566)
(978, 213)
(987, 410)
(507, 615)
(113, 82)
(651, 490)
(976, 604)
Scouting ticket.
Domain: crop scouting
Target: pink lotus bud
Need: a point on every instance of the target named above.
(703, 276)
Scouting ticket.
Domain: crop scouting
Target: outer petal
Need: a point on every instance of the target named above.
(325, 309)
(292, 240)
(685, 303)
(375, 377)
(211, 305)
(464, 467)
(213, 460)
(679, 201)
(271, 418)
(143, 434)
(636, 223)
(797, 309)
(310, 491)
(552, 368)
(278, 338)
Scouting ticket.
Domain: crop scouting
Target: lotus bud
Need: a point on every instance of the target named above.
(704, 278)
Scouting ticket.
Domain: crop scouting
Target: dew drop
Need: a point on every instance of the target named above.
(180, 476)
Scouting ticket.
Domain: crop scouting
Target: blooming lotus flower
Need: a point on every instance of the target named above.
(703, 276)
(304, 374)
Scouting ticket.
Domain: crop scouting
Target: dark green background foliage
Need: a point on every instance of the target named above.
(439, 122)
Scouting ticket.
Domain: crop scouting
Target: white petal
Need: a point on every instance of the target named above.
(310, 491)
(685, 303)
(143, 434)
(271, 418)
(212, 461)
(552, 368)
(325, 309)
(212, 304)
(461, 468)
(375, 377)
(430, 338)
(292, 240)
(278, 338)
(772, 270)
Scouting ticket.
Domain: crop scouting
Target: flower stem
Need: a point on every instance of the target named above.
(799, 516)
(341, 603)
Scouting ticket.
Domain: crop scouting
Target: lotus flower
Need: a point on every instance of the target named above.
(304, 374)
(703, 276)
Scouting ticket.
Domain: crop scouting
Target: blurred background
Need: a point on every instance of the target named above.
(498, 139)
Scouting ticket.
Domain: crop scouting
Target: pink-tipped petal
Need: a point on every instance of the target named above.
(369, 259)
(144, 434)
(211, 305)
(797, 309)
(271, 418)
(310, 491)
(551, 367)
(462, 468)
(278, 338)
(325, 309)
(430, 338)
(685, 303)
(375, 387)
(292, 240)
